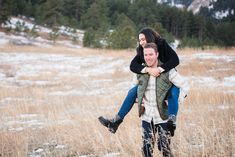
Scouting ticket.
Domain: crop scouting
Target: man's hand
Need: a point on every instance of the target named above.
(153, 71)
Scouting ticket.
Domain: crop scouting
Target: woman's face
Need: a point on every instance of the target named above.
(142, 39)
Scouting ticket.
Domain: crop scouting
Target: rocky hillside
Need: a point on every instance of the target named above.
(197, 4)
(219, 9)
(193, 5)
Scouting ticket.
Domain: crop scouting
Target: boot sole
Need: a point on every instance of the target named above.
(101, 120)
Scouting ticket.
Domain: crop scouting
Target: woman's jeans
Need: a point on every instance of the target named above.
(130, 99)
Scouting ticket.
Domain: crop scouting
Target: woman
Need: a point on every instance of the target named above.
(169, 59)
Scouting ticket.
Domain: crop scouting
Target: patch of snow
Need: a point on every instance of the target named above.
(46, 149)
(190, 124)
(211, 82)
(223, 107)
(112, 154)
(221, 14)
(229, 81)
(22, 40)
(88, 155)
(197, 80)
(39, 150)
(18, 129)
(69, 44)
(24, 23)
(14, 21)
(180, 6)
(230, 92)
(210, 6)
(60, 146)
(3, 40)
(23, 121)
(227, 58)
(56, 66)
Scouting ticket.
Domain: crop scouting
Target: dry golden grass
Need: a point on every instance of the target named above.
(190, 51)
(205, 124)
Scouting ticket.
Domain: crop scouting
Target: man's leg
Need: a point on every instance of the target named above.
(173, 106)
(163, 140)
(127, 104)
(148, 140)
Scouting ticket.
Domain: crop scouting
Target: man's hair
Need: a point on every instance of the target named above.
(151, 45)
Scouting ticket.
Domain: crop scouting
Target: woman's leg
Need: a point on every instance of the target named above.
(113, 124)
(128, 102)
(173, 104)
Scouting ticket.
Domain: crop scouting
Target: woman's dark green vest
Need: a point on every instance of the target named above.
(163, 85)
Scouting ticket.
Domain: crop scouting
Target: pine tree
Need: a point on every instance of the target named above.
(97, 16)
(124, 35)
(5, 10)
(75, 8)
(50, 12)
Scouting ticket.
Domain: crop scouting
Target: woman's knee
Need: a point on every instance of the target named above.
(133, 91)
(174, 92)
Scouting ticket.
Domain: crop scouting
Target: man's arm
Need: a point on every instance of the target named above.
(180, 82)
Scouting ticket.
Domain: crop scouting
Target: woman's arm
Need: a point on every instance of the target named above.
(167, 55)
(138, 67)
(136, 64)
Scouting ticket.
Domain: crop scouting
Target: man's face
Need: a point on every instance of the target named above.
(142, 39)
(150, 57)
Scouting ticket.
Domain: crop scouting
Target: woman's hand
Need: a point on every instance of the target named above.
(153, 71)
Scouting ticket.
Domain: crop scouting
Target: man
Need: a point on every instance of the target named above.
(152, 92)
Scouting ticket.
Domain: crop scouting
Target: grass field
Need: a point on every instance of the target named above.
(50, 99)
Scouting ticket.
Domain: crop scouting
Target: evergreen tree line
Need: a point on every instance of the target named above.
(115, 23)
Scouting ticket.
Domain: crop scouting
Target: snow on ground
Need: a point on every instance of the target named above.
(24, 121)
(38, 41)
(46, 148)
(213, 56)
(3, 39)
(209, 80)
(212, 82)
(221, 14)
(28, 24)
(56, 67)
(35, 64)
(208, 56)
